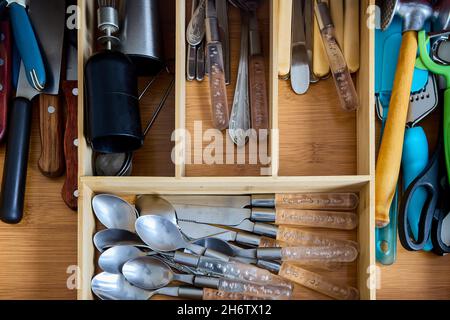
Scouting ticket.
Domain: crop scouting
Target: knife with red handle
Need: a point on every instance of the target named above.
(5, 74)
(69, 191)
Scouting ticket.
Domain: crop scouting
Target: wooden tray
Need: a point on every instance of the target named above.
(315, 147)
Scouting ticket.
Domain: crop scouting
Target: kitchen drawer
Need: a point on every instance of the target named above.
(314, 146)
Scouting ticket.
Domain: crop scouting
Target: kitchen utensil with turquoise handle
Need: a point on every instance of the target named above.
(28, 46)
(414, 161)
(443, 71)
(386, 238)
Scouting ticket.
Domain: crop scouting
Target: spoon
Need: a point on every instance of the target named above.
(113, 259)
(149, 273)
(108, 286)
(108, 238)
(155, 205)
(162, 235)
(114, 212)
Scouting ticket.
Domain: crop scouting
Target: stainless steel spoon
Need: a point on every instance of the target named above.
(109, 286)
(114, 212)
(149, 273)
(113, 259)
(109, 238)
(155, 205)
(162, 235)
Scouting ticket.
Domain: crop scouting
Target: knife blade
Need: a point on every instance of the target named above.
(299, 62)
(245, 219)
(198, 231)
(309, 37)
(191, 52)
(209, 200)
(48, 18)
(69, 191)
(236, 218)
(27, 44)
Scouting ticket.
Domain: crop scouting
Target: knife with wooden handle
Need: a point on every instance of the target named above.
(284, 38)
(5, 74)
(259, 105)
(351, 35)
(69, 191)
(321, 67)
(51, 117)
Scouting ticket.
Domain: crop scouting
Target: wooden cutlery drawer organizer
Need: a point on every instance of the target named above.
(314, 146)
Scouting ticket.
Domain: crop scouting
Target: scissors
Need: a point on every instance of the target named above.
(434, 180)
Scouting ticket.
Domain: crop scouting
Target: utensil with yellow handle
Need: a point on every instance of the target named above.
(337, 15)
(351, 44)
(389, 158)
(321, 67)
(284, 38)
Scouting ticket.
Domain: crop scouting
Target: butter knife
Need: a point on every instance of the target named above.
(191, 51)
(300, 71)
(309, 37)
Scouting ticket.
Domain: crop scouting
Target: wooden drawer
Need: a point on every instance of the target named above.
(314, 146)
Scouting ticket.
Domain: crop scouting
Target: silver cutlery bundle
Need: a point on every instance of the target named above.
(163, 239)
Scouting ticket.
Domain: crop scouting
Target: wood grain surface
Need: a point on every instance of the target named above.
(36, 253)
(316, 137)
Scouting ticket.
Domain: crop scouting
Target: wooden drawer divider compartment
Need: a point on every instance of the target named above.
(212, 179)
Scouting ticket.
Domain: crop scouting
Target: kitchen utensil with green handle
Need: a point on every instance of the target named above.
(443, 71)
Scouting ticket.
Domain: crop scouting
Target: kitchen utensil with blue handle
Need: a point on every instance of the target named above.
(415, 151)
(28, 45)
(433, 180)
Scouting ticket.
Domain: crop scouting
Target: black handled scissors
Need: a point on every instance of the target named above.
(434, 180)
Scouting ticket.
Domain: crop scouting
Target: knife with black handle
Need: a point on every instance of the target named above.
(48, 18)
